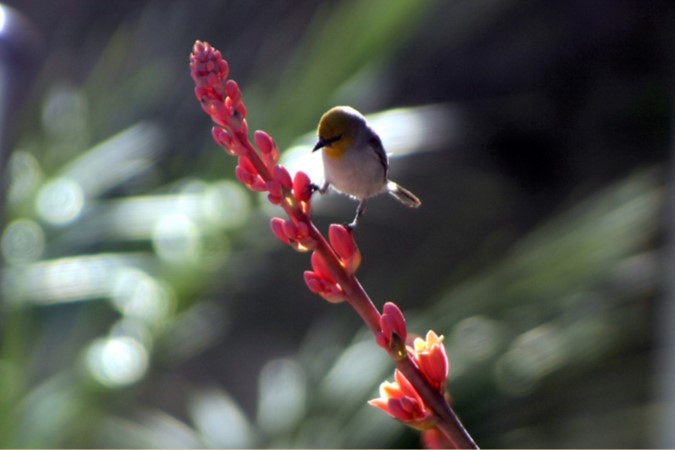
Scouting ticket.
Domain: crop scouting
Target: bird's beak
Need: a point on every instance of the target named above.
(319, 145)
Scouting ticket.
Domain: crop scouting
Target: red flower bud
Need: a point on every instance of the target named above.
(263, 141)
(244, 176)
(223, 138)
(314, 282)
(342, 240)
(252, 181)
(232, 90)
(275, 193)
(291, 229)
(330, 291)
(395, 320)
(283, 177)
(321, 282)
(277, 226)
(303, 231)
(208, 69)
(321, 268)
(302, 187)
(268, 149)
(392, 323)
(247, 165)
(295, 234)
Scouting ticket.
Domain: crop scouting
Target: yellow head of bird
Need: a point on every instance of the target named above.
(338, 128)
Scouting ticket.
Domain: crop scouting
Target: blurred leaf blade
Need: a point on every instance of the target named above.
(343, 39)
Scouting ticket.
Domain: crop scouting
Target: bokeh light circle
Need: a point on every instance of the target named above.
(23, 241)
(60, 201)
(117, 361)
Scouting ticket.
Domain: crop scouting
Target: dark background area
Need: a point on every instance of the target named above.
(162, 312)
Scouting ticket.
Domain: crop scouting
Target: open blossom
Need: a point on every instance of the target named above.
(430, 356)
(401, 401)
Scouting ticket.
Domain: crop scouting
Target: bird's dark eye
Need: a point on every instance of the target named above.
(329, 141)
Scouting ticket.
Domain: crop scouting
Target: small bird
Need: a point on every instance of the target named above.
(354, 160)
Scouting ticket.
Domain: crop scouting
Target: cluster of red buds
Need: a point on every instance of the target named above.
(417, 396)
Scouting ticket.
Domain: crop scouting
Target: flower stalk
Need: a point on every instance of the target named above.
(417, 395)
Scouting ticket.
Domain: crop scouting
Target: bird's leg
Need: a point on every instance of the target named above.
(315, 187)
(359, 212)
(322, 189)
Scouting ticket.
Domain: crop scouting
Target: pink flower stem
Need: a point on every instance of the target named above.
(356, 295)
(449, 424)
(221, 99)
(358, 298)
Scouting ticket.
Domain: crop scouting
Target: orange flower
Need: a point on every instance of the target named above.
(430, 356)
(401, 401)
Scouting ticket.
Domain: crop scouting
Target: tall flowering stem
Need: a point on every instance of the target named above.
(417, 395)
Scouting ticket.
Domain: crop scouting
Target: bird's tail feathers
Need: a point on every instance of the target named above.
(403, 195)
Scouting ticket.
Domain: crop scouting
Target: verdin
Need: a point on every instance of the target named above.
(354, 160)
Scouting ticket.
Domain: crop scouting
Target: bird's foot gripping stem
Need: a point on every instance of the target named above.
(359, 212)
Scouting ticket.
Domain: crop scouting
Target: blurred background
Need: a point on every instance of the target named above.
(145, 302)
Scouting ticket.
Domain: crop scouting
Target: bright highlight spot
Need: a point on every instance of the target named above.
(60, 201)
(117, 361)
(23, 241)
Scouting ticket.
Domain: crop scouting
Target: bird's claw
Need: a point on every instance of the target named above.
(313, 187)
